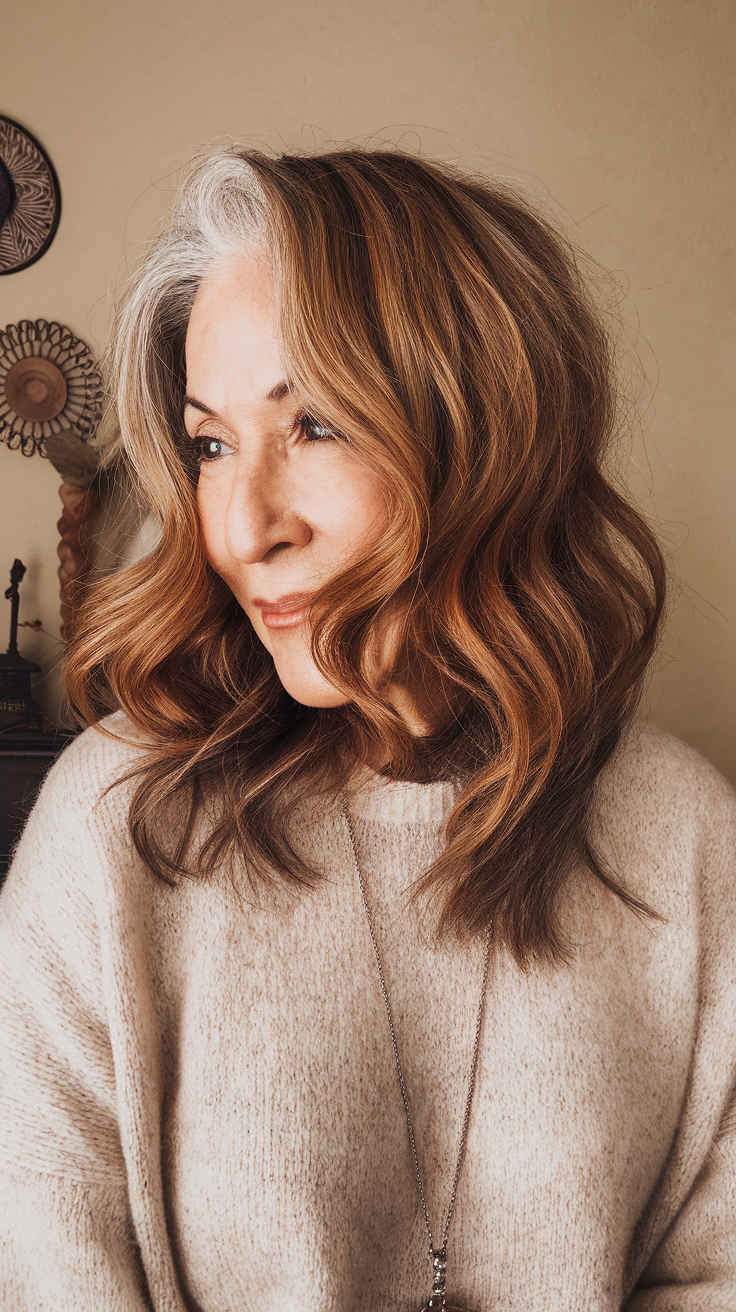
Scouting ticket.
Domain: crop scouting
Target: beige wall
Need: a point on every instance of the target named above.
(618, 113)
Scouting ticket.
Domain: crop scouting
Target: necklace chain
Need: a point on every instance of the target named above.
(438, 1255)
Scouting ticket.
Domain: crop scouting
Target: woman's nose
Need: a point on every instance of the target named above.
(261, 516)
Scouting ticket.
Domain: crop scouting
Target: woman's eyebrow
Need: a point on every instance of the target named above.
(277, 393)
(197, 405)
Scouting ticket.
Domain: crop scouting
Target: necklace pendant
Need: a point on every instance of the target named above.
(437, 1301)
(439, 1263)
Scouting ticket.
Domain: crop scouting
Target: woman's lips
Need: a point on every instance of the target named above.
(287, 612)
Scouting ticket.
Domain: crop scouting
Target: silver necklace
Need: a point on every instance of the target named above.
(437, 1301)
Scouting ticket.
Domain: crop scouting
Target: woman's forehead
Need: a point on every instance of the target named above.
(232, 344)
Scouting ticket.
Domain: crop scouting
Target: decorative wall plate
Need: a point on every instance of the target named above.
(30, 203)
(48, 385)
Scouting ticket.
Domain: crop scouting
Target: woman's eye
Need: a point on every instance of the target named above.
(211, 448)
(314, 432)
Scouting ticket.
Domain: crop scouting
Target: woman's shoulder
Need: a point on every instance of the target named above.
(659, 775)
(82, 807)
(74, 849)
(660, 807)
(92, 763)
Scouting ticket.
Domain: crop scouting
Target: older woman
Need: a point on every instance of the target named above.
(367, 952)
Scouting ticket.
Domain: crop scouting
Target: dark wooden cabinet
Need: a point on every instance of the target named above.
(25, 756)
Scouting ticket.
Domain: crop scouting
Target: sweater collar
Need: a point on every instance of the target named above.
(390, 802)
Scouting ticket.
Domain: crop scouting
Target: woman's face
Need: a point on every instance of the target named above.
(283, 505)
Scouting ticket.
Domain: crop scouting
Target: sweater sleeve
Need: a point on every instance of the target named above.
(694, 1267)
(687, 1240)
(68, 1239)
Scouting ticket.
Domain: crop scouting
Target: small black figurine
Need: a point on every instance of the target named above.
(17, 707)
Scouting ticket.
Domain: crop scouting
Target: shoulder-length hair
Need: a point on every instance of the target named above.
(443, 328)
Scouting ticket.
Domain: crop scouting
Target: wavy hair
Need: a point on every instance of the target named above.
(443, 327)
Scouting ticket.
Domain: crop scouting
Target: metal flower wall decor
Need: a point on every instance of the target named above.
(48, 385)
(30, 202)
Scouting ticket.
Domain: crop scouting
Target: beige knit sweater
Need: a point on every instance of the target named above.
(199, 1107)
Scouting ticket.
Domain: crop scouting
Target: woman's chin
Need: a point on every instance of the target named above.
(303, 681)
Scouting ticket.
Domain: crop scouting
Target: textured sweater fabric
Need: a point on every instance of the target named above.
(199, 1106)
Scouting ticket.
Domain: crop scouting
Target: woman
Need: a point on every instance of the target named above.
(363, 743)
